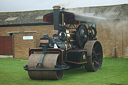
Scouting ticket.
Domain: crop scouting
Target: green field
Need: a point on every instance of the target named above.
(113, 72)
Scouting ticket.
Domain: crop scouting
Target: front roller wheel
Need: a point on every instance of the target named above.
(50, 60)
(94, 56)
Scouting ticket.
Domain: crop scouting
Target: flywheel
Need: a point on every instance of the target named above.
(81, 36)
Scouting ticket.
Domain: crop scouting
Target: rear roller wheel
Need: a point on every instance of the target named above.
(94, 56)
(50, 60)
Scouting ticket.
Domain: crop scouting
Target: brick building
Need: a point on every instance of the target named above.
(28, 27)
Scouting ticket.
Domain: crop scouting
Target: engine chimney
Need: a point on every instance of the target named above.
(56, 15)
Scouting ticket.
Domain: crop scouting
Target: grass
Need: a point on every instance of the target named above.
(113, 72)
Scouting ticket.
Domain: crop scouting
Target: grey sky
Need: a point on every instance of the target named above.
(26, 5)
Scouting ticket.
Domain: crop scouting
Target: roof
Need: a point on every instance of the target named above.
(113, 12)
(21, 18)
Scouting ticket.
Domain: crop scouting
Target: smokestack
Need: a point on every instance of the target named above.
(56, 15)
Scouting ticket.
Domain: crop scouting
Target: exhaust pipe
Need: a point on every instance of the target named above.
(56, 16)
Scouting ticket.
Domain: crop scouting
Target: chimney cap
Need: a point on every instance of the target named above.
(56, 7)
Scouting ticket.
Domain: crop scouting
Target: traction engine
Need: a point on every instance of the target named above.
(73, 44)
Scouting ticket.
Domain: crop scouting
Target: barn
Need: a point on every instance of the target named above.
(20, 31)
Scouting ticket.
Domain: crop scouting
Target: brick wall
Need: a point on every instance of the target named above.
(21, 47)
(41, 29)
(112, 35)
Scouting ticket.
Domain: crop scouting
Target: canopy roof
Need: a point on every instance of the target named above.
(72, 18)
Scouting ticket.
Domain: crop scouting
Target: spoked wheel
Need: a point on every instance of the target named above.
(94, 56)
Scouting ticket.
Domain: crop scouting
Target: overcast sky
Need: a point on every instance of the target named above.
(26, 5)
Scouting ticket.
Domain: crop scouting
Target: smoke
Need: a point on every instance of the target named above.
(113, 32)
(86, 15)
(65, 4)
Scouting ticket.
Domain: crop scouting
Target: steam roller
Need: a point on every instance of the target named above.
(73, 45)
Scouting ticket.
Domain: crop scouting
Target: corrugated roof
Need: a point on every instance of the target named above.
(114, 12)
